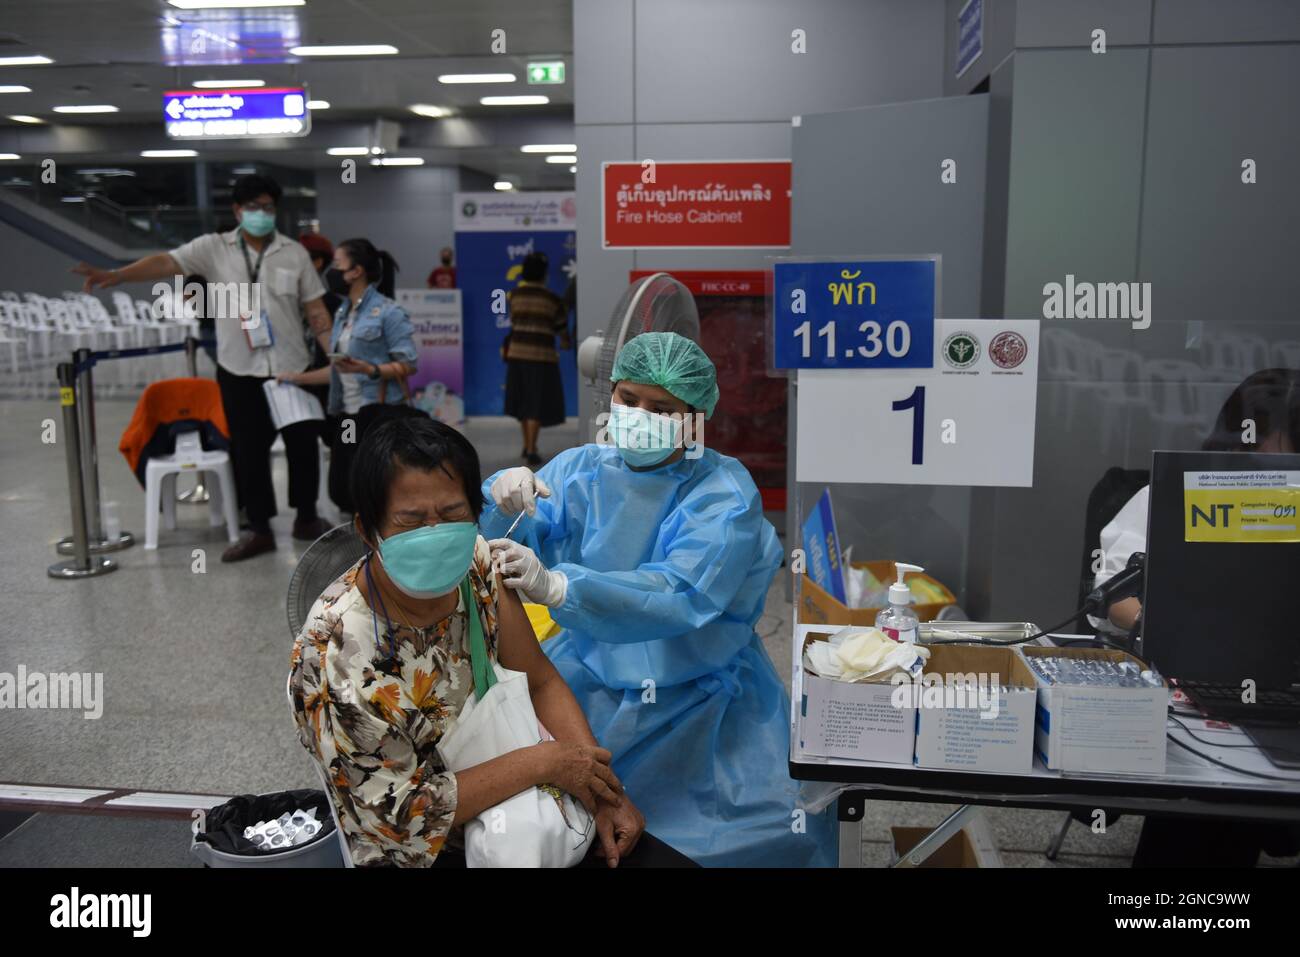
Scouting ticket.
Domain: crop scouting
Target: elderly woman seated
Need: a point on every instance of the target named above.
(382, 670)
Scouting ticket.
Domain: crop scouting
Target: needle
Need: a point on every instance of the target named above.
(511, 530)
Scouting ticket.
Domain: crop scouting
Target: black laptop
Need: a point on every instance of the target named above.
(1222, 591)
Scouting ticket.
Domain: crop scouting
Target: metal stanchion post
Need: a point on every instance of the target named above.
(85, 394)
(83, 564)
(197, 495)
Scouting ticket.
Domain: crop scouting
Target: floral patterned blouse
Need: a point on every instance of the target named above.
(372, 715)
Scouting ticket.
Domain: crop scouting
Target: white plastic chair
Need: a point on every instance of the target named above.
(12, 343)
(160, 487)
(10, 326)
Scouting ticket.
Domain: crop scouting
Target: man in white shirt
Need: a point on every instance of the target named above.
(268, 283)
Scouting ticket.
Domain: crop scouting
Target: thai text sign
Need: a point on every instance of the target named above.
(741, 204)
(236, 113)
(863, 314)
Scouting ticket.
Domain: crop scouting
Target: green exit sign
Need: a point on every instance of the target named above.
(546, 72)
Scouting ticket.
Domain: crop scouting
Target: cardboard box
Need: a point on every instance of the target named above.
(972, 846)
(839, 719)
(819, 607)
(1081, 728)
(956, 729)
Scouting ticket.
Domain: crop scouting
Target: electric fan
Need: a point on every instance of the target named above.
(324, 560)
(656, 303)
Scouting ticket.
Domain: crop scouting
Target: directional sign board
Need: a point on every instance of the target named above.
(236, 114)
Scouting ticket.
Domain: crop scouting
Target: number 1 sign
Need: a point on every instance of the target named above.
(968, 420)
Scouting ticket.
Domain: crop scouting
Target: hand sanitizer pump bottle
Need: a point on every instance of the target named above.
(898, 621)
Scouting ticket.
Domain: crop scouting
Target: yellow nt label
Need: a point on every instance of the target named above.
(1241, 515)
(66, 396)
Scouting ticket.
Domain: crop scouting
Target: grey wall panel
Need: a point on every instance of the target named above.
(731, 60)
(1069, 23)
(364, 208)
(701, 141)
(602, 61)
(1076, 149)
(602, 274)
(1214, 248)
(998, 179)
(867, 181)
(1214, 21)
(999, 42)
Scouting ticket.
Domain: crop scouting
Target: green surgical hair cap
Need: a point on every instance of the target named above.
(671, 362)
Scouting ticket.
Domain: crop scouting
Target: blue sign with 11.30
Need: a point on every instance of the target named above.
(865, 314)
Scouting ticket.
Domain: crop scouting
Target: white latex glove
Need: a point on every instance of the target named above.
(516, 490)
(523, 571)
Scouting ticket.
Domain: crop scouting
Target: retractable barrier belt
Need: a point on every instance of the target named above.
(95, 357)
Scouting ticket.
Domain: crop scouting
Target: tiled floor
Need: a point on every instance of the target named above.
(194, 664)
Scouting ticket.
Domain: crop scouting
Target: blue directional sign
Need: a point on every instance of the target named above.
(854, 314)
(236, 113)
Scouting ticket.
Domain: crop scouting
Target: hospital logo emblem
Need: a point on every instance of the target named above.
(960, 350)
(469, 208)
(1008, 350)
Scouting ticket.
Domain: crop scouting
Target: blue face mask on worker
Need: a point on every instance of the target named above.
(643, 438)
(429, 561)
(257, 222)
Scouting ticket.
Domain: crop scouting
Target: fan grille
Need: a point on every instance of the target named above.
(665, 305)
(324, 560)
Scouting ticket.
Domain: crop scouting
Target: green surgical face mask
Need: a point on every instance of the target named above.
(429, 561)
(257, 222)
(643, 438)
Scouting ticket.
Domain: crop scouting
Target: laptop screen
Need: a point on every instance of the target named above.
(1222, 600)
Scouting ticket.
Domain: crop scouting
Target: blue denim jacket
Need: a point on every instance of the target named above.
(382, 333)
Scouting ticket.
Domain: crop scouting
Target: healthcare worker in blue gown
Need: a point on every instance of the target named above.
(653, 555)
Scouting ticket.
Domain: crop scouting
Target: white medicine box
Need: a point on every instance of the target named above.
(1099, 729)
(976, 711)
(858, 720)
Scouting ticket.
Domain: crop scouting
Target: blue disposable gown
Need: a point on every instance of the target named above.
(668, 572)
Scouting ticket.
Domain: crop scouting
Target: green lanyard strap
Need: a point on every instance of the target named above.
(484, 674)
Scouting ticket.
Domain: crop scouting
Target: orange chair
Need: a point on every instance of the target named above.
(172, 422)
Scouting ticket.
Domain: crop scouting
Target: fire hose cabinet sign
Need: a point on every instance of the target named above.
(742, 204)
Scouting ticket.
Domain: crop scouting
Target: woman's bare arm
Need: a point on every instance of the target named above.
(488, 784)
(519, 650)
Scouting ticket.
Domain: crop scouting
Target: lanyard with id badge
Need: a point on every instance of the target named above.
(257, 333)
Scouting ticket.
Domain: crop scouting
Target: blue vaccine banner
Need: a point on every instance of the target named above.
(494, 232)
(855, 314)
(822, 545)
